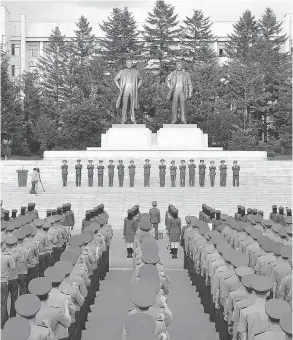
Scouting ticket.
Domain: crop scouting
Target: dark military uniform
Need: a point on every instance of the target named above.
(147, 174)
(173, 172)
(78, 168)
(131, 174)
(212, 174)
(201, 174)
(111, 168)
(223, 174)
(191, 168)
(182, 168)
(236, 170)
(100, 168)
(64, 169)
(120, 168)
(90, 173)
(162, 173)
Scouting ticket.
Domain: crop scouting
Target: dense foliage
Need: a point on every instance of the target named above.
(243, 101)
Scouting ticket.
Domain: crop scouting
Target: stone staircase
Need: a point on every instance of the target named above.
(262, 183)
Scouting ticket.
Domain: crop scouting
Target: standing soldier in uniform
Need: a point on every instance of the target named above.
(174, 232)
(201, 173)
(131, 173)
(129, 230)
(162, 172)
(100, 168)
(155, 218)
(78, 168)
(147, 173)
(90, 173)
(235, 169)
(173, 172)
(191, 167)
(223, 173)
(182, 168)
(111, 168)
(120, 168)
(64, 168)
(212, 173)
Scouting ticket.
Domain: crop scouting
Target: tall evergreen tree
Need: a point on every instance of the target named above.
(161, 34)
(246, 32)
(196, 38)
(51, 67)
(270, 28)
(121, 38)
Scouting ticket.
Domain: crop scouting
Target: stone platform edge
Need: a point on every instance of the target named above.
(155, 154)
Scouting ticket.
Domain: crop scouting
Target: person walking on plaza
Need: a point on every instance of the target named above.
(64, 168)
(201, 173)
(78, 168)
(147, 173)
(101, 168)
(191, 167)
(174, 232)
(111, 168)
(35, 179)
(212, 173)
(131, 168)
(155, 218)
(173, 172)
(182, 169)
(236, 170)
(223, 173)
(129, 230)
(162, 172)
(120, 168)
(90, 173)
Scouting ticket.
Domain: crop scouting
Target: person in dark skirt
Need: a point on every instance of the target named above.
(174, 232)
(129, 231)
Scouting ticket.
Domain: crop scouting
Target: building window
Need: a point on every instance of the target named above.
(15, 49)
(15, 70)
(33, 51)
(32, 67)
(221, 49)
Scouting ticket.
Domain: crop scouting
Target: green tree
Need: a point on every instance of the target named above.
(161, 34)
(52, 69)
(196, 38)
(121, 38)
(12, 119)
(246, 32)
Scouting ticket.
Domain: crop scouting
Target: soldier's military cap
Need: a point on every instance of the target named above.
(288, 219)
(90, 160)
(143, 237)
(222, 161)
(73, 249)
(289, 230)
(261, 239)
(267, 223)
(194, 222)
(14, 210)
(143, 296)
(78, 160)
(286, 323)
(243, 270)
(76, 240)
(203, 228)
(218, 211)
(223, 217)
(102, 218)
(154, 203)
(27, 229)
(212, 162)
(147, 160)
(27, 305)
(281, 208)
(140, 323)
(69, 256)
(277, 246)
(94, 227)
(162, 160)
(131, 161)
(247, 279)
(55, 275)
(227, 254)
(201, 160)
(150, 257)
(53, 211)
(20, 235)
(207, 236)
(48, 271)
(261, 284)
(255, 234)
(100, 161)
(235, 161)
(46, 225)
(64, 160)
(57, 218)
(238, 226)
(3, 225)
(39, 286)
(275, 308)
(218, 239)
(276, 227)
(230, 220)
(145, 225)
(64, 266)
(239, 259)
(182, 160)
(192, 160)
(282, 232)
(286, 251)
(249, 210)
(274, 206)
(16, 328)
(18, 223)
(10, 240)
(87, 236)
(10, 226)
(148, 270)
(120, 160)
(223, 247)
(254, 210)
(49, 211)
(268, 245)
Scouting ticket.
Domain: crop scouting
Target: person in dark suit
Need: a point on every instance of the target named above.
(155, 218)
(64, 168)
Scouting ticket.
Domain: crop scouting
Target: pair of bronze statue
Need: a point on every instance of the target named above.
(129, 80)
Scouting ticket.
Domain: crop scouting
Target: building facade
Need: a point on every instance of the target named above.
(25, 41)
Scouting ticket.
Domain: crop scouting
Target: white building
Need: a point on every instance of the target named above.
(25, 41)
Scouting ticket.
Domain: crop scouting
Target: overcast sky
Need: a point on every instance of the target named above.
(96, 11)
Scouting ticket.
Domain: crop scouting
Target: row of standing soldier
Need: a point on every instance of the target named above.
(147, 172)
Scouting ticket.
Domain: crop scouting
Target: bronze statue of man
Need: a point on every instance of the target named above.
(180, 89)
(128, 81)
